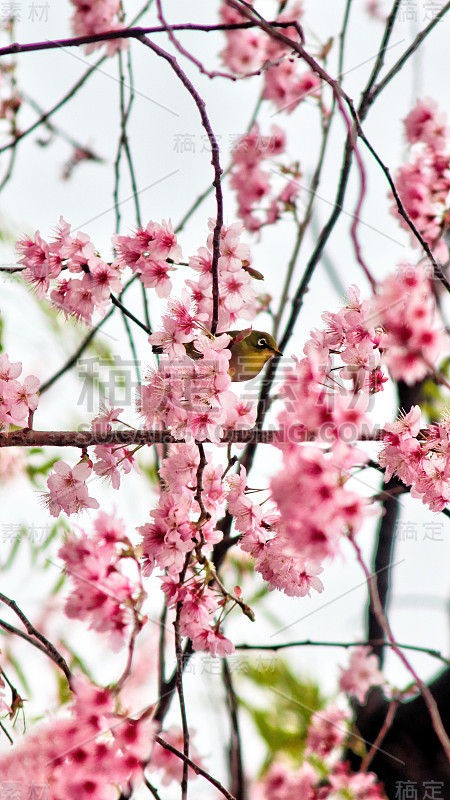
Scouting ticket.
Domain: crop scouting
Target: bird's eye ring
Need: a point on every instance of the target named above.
(262, 342)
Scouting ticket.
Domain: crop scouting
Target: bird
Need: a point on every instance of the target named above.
(250, 350)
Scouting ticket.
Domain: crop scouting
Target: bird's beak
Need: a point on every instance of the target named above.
(278, 352)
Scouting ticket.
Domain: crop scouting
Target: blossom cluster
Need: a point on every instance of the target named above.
(249, 50)
(282, 783)
(176, 540)
(281, 564)
(253, 184)
(317, 509)
(322, 774)
(152, 253)
(17, 398)
(102, 593)
(146, 253)
(86, 756)
(79, 296)
(421, 459)
(190, 395)
(413, 337)
(326, 393)
(12, 463)
(97, 16)
(423, 183)
(399, 326)
(67, 490)
(237, 297)
(191, 399)
(361, 675)
(111, 460)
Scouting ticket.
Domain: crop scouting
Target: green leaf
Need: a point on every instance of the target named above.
(64, 692)
(151, 472)
(283, 717)
(13, 552)
(20, 673)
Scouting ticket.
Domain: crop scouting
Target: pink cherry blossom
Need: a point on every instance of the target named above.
(17, 398)
(251, 182)
(95, 16)
(361, 674)
(426, 124)
(101, 593)
(424, 181)
(88, 754)
(327, 731)
(67, 489)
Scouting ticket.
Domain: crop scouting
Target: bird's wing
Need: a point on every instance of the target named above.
(238, 336)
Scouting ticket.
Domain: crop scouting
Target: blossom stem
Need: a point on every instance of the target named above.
(393, 705)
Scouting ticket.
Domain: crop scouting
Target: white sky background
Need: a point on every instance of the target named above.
(169, 181)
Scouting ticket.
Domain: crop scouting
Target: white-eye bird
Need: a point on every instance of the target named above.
(250, 350)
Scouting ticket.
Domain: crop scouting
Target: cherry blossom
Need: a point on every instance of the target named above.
(327, 731)
(87, 755)
(248, 50)
(102, 593)
(361, 674)
(17, 398)
(423, 182)
(253, 184)
(67, 489)
(95, 16)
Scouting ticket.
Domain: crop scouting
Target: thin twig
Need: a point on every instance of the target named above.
(128, 314)
(408, 53)
(235, 748)
(151, 788)
(161, 648)
(179, 684)
(17, 632)
(215, 160)
(346, 645)
(342, 38)
(401, 209)
(204, 514)
(51, 650)
(393, 705)
(197, 769)
(132, 32)
(390, 21)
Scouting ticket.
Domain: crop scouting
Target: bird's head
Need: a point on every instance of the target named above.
(262, 342)
(250, 351)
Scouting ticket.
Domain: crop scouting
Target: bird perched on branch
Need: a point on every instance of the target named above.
(250, 350)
